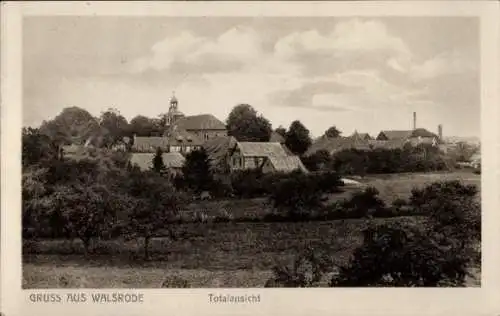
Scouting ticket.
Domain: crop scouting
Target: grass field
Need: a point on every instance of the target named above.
(214, 255)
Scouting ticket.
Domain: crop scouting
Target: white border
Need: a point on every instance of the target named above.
(273, 301)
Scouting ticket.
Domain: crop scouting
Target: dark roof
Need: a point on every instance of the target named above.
(361, 135)
(145, 160)
(200, 122)
(218, 148)
(150, 144)
(177, 137)
(261, 149)
(396, 134)
(276, 138)
(422, 132)
(287, 163)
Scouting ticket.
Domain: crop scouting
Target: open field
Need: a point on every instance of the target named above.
(390, 186)
(214, 254)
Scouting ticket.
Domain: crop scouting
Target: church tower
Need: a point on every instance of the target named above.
(173, 111)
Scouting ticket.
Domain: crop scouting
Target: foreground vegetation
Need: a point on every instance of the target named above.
(222, 254)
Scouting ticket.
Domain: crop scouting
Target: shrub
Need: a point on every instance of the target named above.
(248, 183)
(365, 203)
(306, 271)
(402, 256)
(297, 195)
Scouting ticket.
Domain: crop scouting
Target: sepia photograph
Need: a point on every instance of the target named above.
(247, 152)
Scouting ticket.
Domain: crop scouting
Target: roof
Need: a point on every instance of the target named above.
(276, 138)
(287, 163)
(361, 135)
(422, 132)
(200, 122)
(218, 148)
(177, 137)
(145, 160)
(396, 134)
(150, 143)
(387, 144)
(261, 149)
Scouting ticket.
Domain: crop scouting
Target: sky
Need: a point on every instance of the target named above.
(364, 74)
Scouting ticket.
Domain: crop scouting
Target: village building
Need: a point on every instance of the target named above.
(218, 149)
(277, 138)
(204, 126)
(363, 136)
(173, 162)
(253, 155)
(283, 164)
(182, 133)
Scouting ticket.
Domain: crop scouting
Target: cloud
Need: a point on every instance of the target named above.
(187, 52)
(448, 63)
(352, 44)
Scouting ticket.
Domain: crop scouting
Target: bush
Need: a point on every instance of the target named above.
(306, 271)
(365, 203)
(248, 183)
(402, 256)
(297, 195)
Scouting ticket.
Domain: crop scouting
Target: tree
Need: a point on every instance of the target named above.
(143, 126)
(320, 160)
(72, 126)
(37, 147)
(332, 132)
(435, 252)
(84, 211)
(155, 204)
(281, 131)
(297, 138)
(196, 171)
(246, 125)
(115, 126)
(297, 195)
(158, 164)
(401, 256)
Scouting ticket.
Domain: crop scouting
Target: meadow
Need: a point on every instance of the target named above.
(216, 254)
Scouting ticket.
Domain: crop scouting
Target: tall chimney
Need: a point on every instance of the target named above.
(414, 120)
(440, 131)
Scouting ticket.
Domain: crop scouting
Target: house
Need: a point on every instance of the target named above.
(414, 137)
(182, 141)
(391, 135)
(204, 126)
(149, 144)
(276, 138)
(173, 141)
(218, 149)
(364, 136)
(252, 155)
(283, 164)
(173, 161)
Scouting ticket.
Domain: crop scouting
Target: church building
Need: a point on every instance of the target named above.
(182, 133)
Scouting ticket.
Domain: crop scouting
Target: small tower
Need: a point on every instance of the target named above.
(173, 103)
(173, 111)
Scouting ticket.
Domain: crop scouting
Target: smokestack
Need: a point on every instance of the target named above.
(440, 131)
(414, 120)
